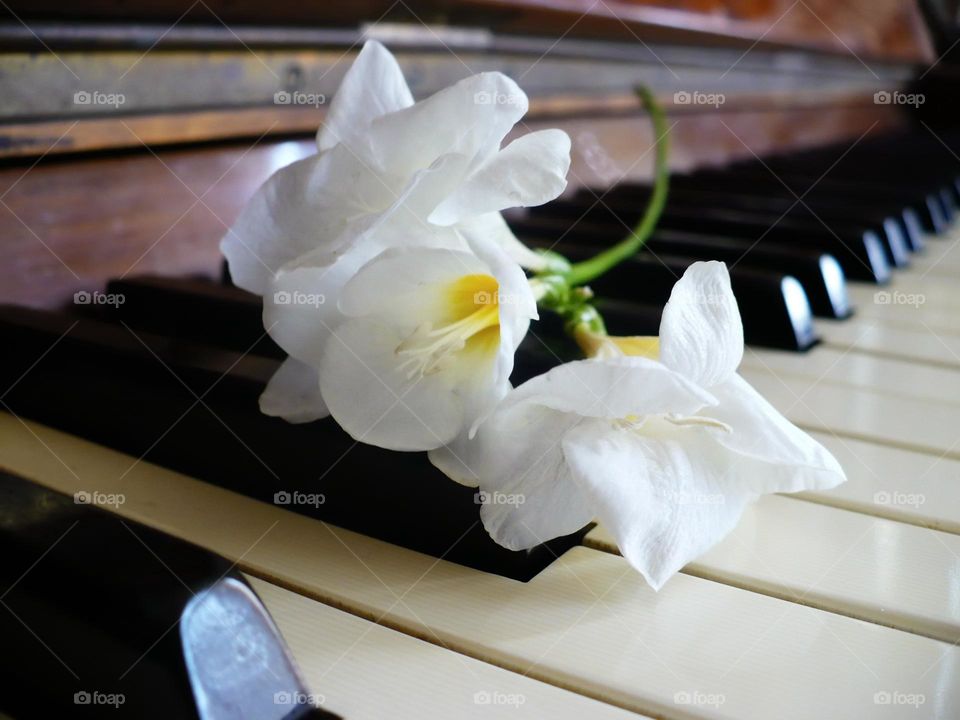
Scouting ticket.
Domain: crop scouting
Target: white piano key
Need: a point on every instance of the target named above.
(588, 622)
(890, 376)
(867, 567)
(890, 482)
(916, 424)
(907, 309)
(364, 671)
(908, 296)
(922, 344)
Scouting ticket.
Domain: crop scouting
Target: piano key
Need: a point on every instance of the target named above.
(92, 377)
(839, 561)
(860, 252)
(368, 672)
(926, 203)
(890, 482)
(929, 292)
(629, 203)
(875, 336)
(866, 414)
(819, 273)
(892, 376)
(588, 622)
(774, 306)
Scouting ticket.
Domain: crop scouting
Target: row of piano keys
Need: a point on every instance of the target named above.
(840, 603)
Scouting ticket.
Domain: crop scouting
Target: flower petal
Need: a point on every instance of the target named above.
(518, 455)
(494, 228)
(701, 335)
(613, 388)
(372, 87)
(665, 500)
(306, 205)
(529, 171)
(375, 401)
(293, 393)
(772, 454)
(470, 118)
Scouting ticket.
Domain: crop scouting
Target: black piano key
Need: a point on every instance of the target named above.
(901, 224)
(925, 202)
(110, 592)
(100, 381)
(819, 273)
(773, 306)
(861, 254)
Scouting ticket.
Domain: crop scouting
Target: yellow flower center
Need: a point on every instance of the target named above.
(470, 322)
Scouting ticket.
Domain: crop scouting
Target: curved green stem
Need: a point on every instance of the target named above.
(583, 272)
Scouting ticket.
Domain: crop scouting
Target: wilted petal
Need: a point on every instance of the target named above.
(771, 453)
(372, 87)
(665, 500)
(701, 335)
(293, 393)
(529, 171)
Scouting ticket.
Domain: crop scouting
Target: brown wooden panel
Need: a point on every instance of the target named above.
(888, 29)
(73, 224)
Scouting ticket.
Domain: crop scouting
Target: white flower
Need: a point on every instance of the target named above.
(664, 453)
(389, 174)
(427, 347)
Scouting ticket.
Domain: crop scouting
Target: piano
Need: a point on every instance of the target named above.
(815, 148)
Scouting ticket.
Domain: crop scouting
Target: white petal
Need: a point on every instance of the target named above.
(375, 401)
(517, 461)
(664, 500)
(772, 454)
(529, 171)
(300, 305)
(470, 118)
(293, 393)
(517, 307)
(307, 205)
(612, 388)
(701, 335)
(372, 87)
(404, 284)
(494, 228)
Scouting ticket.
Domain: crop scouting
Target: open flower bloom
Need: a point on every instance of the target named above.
(664, 447)
(389, 174)
(427, 346)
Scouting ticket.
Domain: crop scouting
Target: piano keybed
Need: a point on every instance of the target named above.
(828, 604)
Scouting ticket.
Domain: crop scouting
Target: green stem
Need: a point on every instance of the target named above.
(583, 272)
